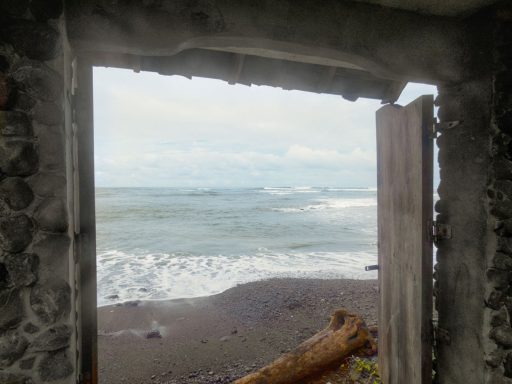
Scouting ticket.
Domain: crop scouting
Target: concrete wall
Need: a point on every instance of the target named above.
(464, 161)
(37, 295)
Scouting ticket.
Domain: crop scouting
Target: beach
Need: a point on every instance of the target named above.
(219, 338)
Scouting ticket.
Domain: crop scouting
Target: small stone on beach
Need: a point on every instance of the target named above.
(154, 334)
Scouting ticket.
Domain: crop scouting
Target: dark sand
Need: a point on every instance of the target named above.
(220, 338)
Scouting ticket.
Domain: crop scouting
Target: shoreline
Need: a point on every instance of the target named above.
(216, 339)
(136, 301)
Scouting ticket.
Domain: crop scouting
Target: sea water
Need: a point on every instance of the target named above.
(167, 243)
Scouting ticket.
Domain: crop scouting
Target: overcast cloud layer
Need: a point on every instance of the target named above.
(161, 131)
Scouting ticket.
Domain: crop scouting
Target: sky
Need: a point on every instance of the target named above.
(170, 131)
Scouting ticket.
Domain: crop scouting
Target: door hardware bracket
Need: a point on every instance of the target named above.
(440, 127)
(440, 231)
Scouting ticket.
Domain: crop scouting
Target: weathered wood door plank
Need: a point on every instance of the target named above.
(405, 192)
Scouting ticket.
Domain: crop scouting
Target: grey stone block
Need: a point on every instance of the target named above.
(26, 364)
(11, 308)
(503, 169)
(15, 233)
(24, 102)
(14, 7)
(51, 215)
(55, 366)
(502, 261)
(501, 145)
(12, 378)
(4, 277)
(53, 252)
(30, 328)
(46, 9)
(5, 92)
(22, 268)
(33, 39)
(48, 113)
(438, 207)
(51, 301)
(502, 335)
(495, 299)
(499, 317)
(502, 209)
(52, 339)
(16, 193)
(498, 278)
(14, 123)
(38, 80)
(503, 189)
(18, 158)
(48, 184)
(507, 226)
(12, 347)
(505, 121)
(507, 364)
(495, 358)
(52, 151)
(4, 63)
(505, 244)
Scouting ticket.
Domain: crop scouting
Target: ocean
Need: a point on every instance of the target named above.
(168, 243)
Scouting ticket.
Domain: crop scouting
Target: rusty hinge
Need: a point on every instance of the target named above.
(440, 127)
(440, 231)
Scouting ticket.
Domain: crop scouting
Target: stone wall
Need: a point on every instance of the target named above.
(474, 268)
(37, 310)
(498, 304)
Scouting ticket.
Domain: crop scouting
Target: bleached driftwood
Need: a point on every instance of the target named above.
(345, 334)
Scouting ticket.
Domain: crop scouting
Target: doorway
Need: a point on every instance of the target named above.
(205, 343)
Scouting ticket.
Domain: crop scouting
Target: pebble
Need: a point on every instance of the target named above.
(154, 334)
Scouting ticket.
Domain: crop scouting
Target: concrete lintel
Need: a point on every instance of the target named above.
(248, 70)
(390, 43)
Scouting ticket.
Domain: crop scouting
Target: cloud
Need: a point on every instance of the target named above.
(322, 158)
(152, 130)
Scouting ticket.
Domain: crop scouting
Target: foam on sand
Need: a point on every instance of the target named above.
(123, 277)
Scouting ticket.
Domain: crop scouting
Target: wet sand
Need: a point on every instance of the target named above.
(217, 339)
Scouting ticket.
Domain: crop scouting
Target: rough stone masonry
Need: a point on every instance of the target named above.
(37, 321)
(499, 273)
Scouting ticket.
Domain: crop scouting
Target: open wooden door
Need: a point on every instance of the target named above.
(405, 194)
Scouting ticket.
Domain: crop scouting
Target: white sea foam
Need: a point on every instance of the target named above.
(352, 189)
(323, 204)
(292, 190)
(123, 276)
(289, 190)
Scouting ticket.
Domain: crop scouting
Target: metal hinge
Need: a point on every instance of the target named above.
(440, 231)
(440, 127)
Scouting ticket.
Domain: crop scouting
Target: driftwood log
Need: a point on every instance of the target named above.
(345, 334)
